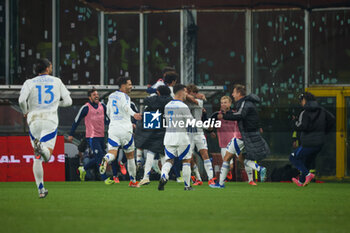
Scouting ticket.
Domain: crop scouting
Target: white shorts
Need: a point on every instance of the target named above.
(182, 152)
(235, 146)
(44, 131)
(198, 140)
(124, 141)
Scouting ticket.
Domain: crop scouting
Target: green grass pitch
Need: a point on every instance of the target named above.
(96, 207)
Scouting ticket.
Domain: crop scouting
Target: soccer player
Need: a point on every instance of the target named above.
(176, 139)
(39, 99)
(248, 122)
(120, 128)
(197, 137)
(94, 113)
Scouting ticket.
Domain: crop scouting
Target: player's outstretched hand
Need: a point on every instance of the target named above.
(138, 116)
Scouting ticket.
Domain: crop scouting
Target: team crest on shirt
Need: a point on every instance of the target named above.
(151, 120)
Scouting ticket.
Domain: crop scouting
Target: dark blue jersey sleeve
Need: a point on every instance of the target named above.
(105, 112)
(151, 90)
(81, 114)
(134, 108)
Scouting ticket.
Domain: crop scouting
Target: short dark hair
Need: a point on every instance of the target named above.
(240, 89)
(167, 69)
(42, 65)
(89, 92)
(192, 88)
(122, 80)
(164, 90)
(178, 87)
(170, 76)
(307, 96)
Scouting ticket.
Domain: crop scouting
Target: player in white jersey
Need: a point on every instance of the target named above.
(120, 128)
(197, 137)
(176, 139)
(39, 99)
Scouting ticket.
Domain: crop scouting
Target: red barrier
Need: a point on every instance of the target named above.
(16, 160)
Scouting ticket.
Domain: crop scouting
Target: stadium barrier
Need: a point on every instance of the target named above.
(16, 160)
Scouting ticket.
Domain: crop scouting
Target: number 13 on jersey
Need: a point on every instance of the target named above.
(48, 90)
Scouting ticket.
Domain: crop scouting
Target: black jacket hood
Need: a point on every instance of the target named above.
(253, 98)
(311, 106)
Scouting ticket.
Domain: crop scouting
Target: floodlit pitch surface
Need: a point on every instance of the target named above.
(96, 207)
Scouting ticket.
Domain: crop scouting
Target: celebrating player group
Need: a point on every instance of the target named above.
(182, 122)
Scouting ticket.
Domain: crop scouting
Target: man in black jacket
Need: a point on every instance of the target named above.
(152, 139)
(314, 123)
(252, 142)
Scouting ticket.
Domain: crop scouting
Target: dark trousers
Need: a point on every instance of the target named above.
(97, 146)
(302, 155)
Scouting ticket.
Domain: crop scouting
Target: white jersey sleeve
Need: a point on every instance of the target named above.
(160, 82)
(126, 106)
(23, 98)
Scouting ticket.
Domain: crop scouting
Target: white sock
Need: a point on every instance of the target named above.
(252, 164)
(209, 168)
(223, 152)
(155, 166)
(224, 170)
(138, 155)
(162, 160)
(38, 173)
(196, 172)
(249, 172)
(46, 152)
(110, 157)
(165, 170)
(148, 164)
(186, 174)
(132, 169)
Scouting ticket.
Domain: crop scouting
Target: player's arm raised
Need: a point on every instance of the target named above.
(125, 105)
